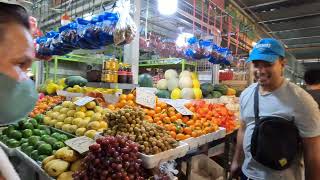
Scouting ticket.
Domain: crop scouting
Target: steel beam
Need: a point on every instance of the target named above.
(291, 12)
(306, 32)
(296, 24)
(264, 3)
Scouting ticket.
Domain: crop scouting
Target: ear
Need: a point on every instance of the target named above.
(283, 62)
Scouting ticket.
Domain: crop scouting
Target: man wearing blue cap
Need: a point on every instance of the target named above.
(277, 97)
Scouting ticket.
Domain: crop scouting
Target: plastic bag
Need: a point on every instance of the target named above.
(125, 29)
(68, 35)
(43, 46)
(57, 47)
(85, 34)
(109, 21)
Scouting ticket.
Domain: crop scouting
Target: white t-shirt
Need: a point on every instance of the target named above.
(287, 101)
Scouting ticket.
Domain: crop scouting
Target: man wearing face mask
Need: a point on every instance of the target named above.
(281, 98)
(17, 92)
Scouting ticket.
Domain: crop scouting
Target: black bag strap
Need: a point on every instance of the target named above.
(256, 103)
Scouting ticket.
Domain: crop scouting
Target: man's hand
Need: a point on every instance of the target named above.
(311, 149)
(238, 155)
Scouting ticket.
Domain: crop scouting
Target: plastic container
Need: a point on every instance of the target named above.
(151, 161)
(122, 76)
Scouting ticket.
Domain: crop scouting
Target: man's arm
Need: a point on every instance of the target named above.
(239, 154)
(311, 149)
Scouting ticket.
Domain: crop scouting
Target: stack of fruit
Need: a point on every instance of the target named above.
(85, 89)
(44, 104)
(111, 158)
(186, 86)
(210, 91)
(124, 100)
(79, 120)
(35, 140)
(129, 121)
(214, 114)
(62, 164)
(180, 127)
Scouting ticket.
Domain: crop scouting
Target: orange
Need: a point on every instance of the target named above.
(151, 113)
(179, 116)
(157, 119)
(166, 120)
(187, 136)
(159, 123)
(163, 105)
(163, 115)
(173, 127)
(123, 97)
(167, 127)
(192, 109)
(173, 118)
(158, 109)
(185, 119)
(130, 103)
(187, 130)
(190, 122)
(173, 134)
(130, 96)
(171, 113)
(180, 136)
(188, 105)
(194, 134)
(171, 109)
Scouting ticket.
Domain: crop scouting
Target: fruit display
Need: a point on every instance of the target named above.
(124, 100)
(210, 113)
(111, 158)
(85, 90)
(62, 164)
(180, 127)
(75, 80)
(37, 141)
(50, 87)
(79, 120)
(183, 86)
(145, 80)
(129, 121)
(45, 104)
(216, 91)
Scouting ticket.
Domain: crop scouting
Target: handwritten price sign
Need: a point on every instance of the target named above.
(178, 105)
(80, 144)
(83, 101)
(145, 98)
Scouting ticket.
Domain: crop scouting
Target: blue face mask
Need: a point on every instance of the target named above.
(17, 99)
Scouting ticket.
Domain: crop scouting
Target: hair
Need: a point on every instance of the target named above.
(312, 77)
(10, 13)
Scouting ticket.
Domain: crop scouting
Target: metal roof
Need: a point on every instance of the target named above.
(296, 23)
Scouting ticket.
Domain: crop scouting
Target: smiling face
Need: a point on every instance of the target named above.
(269, 75)
(16, 51)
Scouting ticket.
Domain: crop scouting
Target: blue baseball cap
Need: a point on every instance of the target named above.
(267, 49)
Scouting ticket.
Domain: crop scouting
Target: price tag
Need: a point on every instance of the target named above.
(83, 101)
(149, 89)
(178, 105)
(80, 144)
(145, 98)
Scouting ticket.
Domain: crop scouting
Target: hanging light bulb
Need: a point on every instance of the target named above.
(167, 7)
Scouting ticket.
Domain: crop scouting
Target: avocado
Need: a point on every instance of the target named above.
(27, 133)
(39, 143)
(21, 123)
(45, 149)
(55, 135)
(45, 137)
(63, 137)
(45, 128)
(33, 140)
(33, 122)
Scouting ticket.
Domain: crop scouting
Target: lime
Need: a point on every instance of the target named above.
(45, 149)
(63, 137)
(33, 122)
(51, 141)
(33, 140)
(27, 133)
(27, 125)
(39, 143)
(45, 137)
(45, 128)
(55, 135)
(39, 118)
(42, 157)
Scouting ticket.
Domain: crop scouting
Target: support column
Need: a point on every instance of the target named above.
(215, 73)
(131, 51)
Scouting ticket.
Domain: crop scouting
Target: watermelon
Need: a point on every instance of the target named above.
(145, 80)
(206, 88)
(76, 80)
(223, 89)
(163, 94)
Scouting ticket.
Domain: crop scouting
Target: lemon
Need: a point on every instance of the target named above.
(65, 127)
(80, 131)
(91, 105)
(89, 113)
(90, 133)
(83, 123)
(61, 117)
(76, 121)
(79, 114)
(71, 113)
(81, 109)
(46, 120)
(94, 125)
(98, 109)
(58, 125)
(68, 120)
(72, 128)
(103, 125)
(176, 93)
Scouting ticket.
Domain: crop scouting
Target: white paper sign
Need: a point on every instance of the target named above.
(145, 98)
(178, 105)
(69, 95)
(83, 101)
(80, 144)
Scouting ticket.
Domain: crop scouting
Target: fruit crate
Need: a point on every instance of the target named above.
(152, 161)
(194, 143)
(35, 165)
